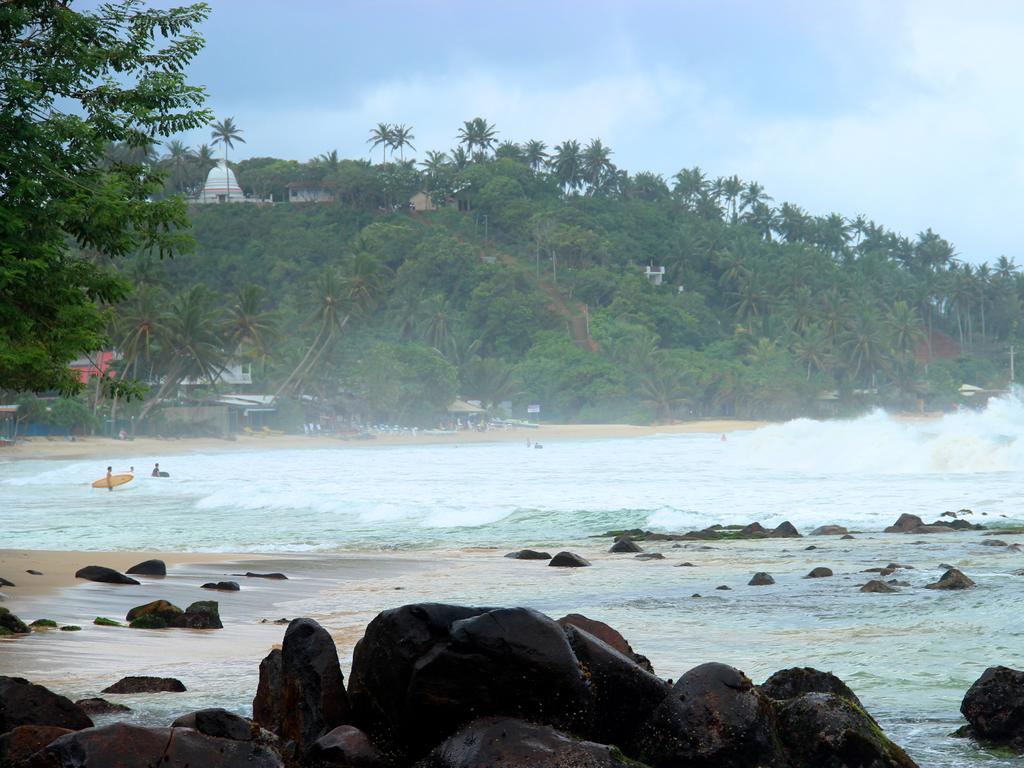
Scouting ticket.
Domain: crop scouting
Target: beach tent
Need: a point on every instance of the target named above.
(462, 407)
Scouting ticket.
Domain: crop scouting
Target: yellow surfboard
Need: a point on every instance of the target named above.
(115, 480)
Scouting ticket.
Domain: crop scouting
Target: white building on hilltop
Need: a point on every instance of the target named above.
(220, 187)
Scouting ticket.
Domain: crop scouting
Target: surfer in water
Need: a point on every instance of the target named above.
(156, 470)
(110, 478)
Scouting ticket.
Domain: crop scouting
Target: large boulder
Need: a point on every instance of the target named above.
(202, 614)
(606, 634)
(796, 681)
(102, 574)
(821, 572)
(823, 730)
(156, 611)
(994, 706)
(146, 684)
(510, 743)
(951, 579)
(568, 560)
(25, 740)
(384, 661)
(829, 530)
(785, 530)
(713, 717)
(217, 722)
(905, 524)
(306, 681)
(347, 747)
(876, 585)
(423, 671)
(624, 546)
(760, 579)
(24, 703)
(122, 745)
(149, 568)
(222, 586)
(624, 694)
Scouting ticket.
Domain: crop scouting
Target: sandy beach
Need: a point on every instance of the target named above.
(105, 448)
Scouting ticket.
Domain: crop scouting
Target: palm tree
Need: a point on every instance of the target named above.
(178, 161)
(595, 164)
(479, 135)
(383, 135)
(691, 186)
(250, 327)
(435, 322)
(460, 158)
(1005, 268)
(732, 188)
(567, 165)
(226, 133)
(535, 154)
(329, 159)
(509, 150)
(813, 348)
(401, 137)
(752, 196)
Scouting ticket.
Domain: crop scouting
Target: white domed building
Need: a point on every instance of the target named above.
(221, 186)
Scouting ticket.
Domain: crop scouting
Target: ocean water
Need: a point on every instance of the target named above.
(453, 510)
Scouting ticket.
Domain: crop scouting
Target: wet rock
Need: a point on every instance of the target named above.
(796, 681)
(723, 588)
(33, 572)
(823, 729)
(162, 610)
(753, 531)
(785, 530)
(898, 566)
(512, 743)
(952, 579)
(97, 706)
(251, 575)
(568, 560)
(104, 575)
(25, 740)
(529, 554)
(760, 579)
(149, 568)
(202, 614)
(145, 684)
(345, 746)
(217, 722)
(994, 707)
(222, 586)
(933, 529)
(808, 549)
(133, 746)
(11, 624)
(624, 694)
(829, 530)
(876, 585)
(650, 556)
(623, 546)
(714, 716)
(994, 543)
(819, 573)
(24, 703)
(905, 524)
(606, 634)
(847, 537)
(5, 583)
(897, 583)
(43, 624)
(301, 693)
(685, 565)
(423, 671)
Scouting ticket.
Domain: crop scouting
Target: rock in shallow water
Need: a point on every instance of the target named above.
(528, 554)
(819, 573)
(97, 706)
(994, 707)
(876, 585)
(623, 546)
(761, 579)
(146, 684)
(568, 560)
(149, 568)
(222, 586)
(952, 579)
(829, 530)
(103, 575)
(24, 703)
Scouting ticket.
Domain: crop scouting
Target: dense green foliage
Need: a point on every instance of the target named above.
(527, 285)
(72, 85)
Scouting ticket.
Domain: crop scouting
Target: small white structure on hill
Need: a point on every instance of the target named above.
(654, 274)
(306, 192)
(221, 186)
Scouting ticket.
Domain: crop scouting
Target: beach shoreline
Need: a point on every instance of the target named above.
(102, 448)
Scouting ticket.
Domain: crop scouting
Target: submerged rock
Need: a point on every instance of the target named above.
(875, 585)
(829, 530)
(819, 573)
(222, 586)
(146, 684)
(97, 706)
(568, 560)
(761, 579)
(649, 556)
(952, 579)
(994, 707)
(104, 575)
(529, 554)
(625, 546)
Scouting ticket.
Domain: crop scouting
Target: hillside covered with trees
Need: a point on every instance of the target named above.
(527, 284)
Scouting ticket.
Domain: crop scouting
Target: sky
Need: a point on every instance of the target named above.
(906, 111)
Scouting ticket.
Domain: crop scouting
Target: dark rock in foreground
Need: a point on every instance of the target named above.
(623, 546)
(25, 740)
(760, 579)
(994, 707)
(24, 703)
(11, 624)
(217, 722)
(823, 729)
(202, 614)
(796, 681)
(5, 583)
(222, 586)
(144, 684)
(511, 743)
(606, 634)
(714, 716)
(132, 746)
(785, 530)
(301, 692)
(97, 706)
(104, 575)
(568, 560)
(951, 579)
(819, 573)
(347, 747)
(149, 568)
(528, 554)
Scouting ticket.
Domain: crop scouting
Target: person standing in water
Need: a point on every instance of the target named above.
(110, 478)
(156, 470)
